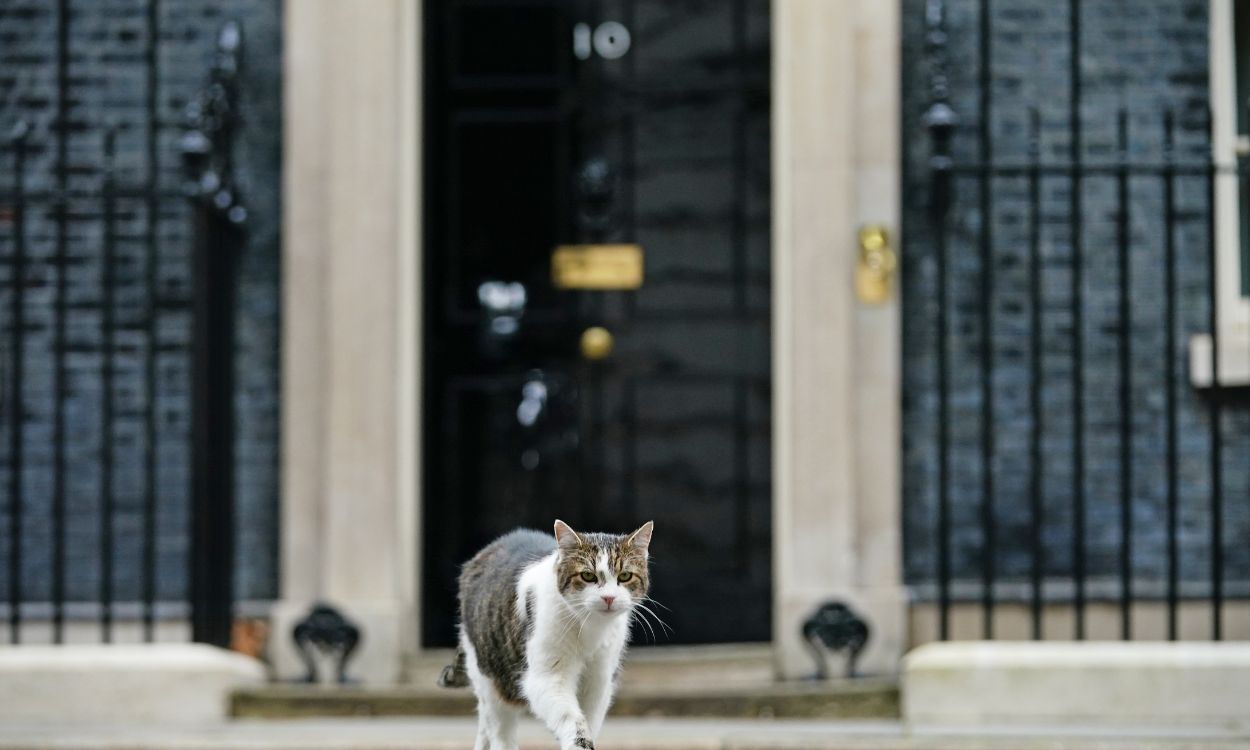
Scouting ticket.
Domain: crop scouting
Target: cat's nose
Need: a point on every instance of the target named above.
(608, 600)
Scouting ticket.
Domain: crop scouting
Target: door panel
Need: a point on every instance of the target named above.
(513, 162)
(506, 44)
(537, 138)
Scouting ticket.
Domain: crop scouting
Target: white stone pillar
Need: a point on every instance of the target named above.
(350, 457)
(836, 161)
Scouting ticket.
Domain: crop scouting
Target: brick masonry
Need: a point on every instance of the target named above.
(1145, 58)
(108, 85)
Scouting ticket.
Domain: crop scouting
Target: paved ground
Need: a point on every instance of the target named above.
(622, 734)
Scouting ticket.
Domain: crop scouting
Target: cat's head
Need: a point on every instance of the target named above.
(603, 573)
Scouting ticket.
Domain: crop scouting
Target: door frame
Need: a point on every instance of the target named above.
(836, 362)
(476, 111)
(352, 304)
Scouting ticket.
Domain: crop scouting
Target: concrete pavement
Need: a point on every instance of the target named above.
(619, 734)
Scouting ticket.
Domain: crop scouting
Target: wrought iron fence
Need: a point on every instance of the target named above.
(68, 424)
(1158, 230)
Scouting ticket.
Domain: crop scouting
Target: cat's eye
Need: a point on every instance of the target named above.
(625, 577)
(589, 577)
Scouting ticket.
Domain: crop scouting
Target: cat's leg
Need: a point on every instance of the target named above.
(596, 689)
(505, 736)
(505, 728)
(496, 723)
(552, 696)
(482, 741)
(496, 720)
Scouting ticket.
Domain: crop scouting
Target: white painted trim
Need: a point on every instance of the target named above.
(306, 132)
(782, 322)
(350, 307)
(1233, 308)
(836, 378)
(408, 326)
(352, 436)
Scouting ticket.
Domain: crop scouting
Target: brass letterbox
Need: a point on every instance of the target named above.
(597, 267)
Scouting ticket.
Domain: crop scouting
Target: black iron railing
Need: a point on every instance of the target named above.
(64, 346)
(219, 217)
(1164, 193)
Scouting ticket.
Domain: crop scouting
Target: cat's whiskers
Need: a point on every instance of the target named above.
(644, 608)
(570, 617)
(639, 618)
(659, 620)
(574, 617)
(656, 602)
(580, 622)
(589, 612)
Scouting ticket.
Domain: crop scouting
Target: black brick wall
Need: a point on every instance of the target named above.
(1145, 58)
(108, 85)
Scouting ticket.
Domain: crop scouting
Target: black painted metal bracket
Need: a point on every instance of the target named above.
(327, 632)
(835, 627)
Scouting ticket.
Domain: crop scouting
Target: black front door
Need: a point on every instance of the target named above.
(639, 122)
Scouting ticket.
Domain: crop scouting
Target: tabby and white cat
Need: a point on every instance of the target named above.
(544, 621)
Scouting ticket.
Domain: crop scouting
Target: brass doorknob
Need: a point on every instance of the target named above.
(874, 274)
(596, 343)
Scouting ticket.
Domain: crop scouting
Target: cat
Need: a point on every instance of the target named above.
(544, 622)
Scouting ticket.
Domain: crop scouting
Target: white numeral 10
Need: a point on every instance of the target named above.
(610, 39)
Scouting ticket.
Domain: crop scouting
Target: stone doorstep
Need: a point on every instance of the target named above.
(955, 685)
(723, 680)
(80, 683)
(834, 700)
(718, 665)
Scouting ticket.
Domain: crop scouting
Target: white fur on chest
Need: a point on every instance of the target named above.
(563, 641)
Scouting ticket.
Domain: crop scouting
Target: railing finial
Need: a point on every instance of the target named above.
(939, 118)
(212, 122)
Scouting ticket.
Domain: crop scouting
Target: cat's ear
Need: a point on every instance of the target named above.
(566, 537)
(642, 537)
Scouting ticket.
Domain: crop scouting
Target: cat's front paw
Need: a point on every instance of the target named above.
(584, 743)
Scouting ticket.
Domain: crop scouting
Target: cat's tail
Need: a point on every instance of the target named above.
(455, 675)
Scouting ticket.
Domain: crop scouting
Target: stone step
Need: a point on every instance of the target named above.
(832, 700)
(719, 665)
(729, 681)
